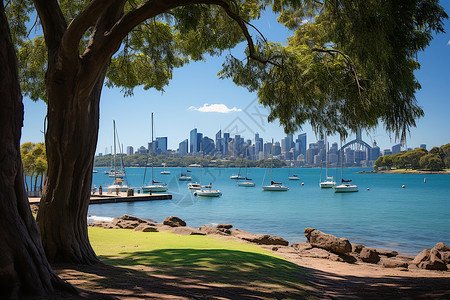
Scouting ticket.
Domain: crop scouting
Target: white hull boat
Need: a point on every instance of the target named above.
(208, 193)
(194, 186)
(275, 188)
(154, 188)
(234, 176)
(246, 183)
(184, 178)
(294, 177)
(345, 188)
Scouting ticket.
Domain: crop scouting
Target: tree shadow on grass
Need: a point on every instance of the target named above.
(193, 274)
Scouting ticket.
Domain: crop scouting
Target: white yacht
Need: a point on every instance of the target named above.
(329, 180)
(154, 186)
(293, 176)
(165, 172)
(118, 183)
(345, 188)
(274, 186)
(246, 182)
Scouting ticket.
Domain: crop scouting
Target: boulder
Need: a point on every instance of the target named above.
(441, 247)
(209, 230)
(357, 248)
(327, 241)
(386, 252)
(394, 263)
(225, 226)
(174, 222)
(436, 264)
(369, 255)
(146, 228)
(445, 256)
(422, 256)
(263, 239)
(131, 218)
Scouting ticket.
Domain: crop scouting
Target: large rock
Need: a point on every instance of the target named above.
(433, 259)
(327, 241)
(357, 248)
(225, 226)
(300, 247)
(183, 230)
(422, 256)
(144, 227)
(386, 252)
(263, 239)
(369, 255)
(174, 222)
(394, 263)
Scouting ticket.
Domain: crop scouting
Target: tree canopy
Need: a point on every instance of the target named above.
(349, 65)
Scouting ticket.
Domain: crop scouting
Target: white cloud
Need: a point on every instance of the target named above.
(448, 43)
(219, 108)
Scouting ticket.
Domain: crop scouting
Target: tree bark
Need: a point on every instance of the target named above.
(24, 269)
(71, 140)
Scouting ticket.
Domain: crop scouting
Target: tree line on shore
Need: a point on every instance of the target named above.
(141, 160)
(438, 158)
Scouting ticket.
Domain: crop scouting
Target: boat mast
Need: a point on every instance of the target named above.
(114, 127)
(152, 150)
(271, 156)
(326, 158)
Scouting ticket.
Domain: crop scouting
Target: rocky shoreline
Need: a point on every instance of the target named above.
(319, 245)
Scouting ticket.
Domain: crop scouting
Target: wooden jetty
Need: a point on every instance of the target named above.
(113, 198)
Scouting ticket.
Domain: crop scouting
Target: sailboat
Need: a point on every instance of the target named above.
(294, 176)
(248, 182)
(274, 186)
(184, 176)
(206, 191)
(119, 183)
(329, 180)
(165, 172)
(345, 186)
(154, 186)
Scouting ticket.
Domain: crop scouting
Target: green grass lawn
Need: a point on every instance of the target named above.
(201, 258)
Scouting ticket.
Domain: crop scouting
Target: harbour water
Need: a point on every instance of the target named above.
(382, 214)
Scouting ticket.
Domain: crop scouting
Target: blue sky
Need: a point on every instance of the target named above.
(195, 90)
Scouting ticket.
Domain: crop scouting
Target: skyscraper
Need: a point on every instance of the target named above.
(301, 141)
(219, 146)
(183, 147)
(193, 141)
(130, 150)
(161, 144)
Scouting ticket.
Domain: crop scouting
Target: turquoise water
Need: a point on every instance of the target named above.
(386, 216)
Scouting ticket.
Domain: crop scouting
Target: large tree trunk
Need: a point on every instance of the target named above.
(71, 142)
(24, 269)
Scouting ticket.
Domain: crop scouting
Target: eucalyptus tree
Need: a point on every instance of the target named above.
(349, 66)
(24, 268)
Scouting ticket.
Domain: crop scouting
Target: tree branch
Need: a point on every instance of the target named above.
(349, 63)
(79, 25)
(53, 22)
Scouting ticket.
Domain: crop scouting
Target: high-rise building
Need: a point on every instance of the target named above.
(301, 144)
(424, 146)
(219, 142)
(161, 145)
(207, 146)
(374, 152)
(396, 148)
(130, 150)
(193, 141)
(226, 139)
(199, 140)
(183, 148)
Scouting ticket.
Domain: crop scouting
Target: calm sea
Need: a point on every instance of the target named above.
(382, 214)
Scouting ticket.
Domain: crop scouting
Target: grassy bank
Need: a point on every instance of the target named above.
(186, 266)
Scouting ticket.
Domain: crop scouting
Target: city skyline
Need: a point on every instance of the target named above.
(196, 98)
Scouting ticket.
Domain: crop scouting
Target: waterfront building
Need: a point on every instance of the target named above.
(301, 144)
(199, 141)
(193, 141)
(183, 148)
(226, 139)
(130, 150)
(396, 148)
(161, 145)
(207, 146)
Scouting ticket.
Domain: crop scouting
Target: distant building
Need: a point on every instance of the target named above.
(424, 146)
(207, 146)
(130, 150)
(396, 148)
(193, 141)
(161, 145)
(300, 144)
(183, 148)
(142, 150)
(387, 152)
